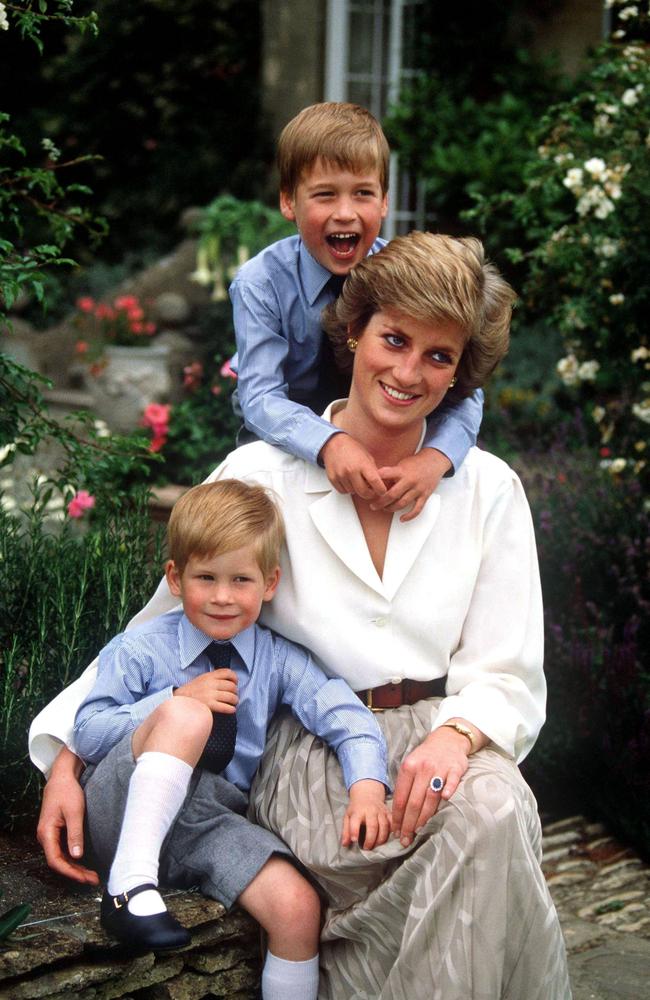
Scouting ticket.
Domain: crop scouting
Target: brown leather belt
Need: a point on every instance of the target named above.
(405, 692)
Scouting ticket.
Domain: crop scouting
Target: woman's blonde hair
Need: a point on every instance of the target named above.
(434, 279)
(335, 132)
(219, 517)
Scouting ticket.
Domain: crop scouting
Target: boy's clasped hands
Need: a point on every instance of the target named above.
(405, 486)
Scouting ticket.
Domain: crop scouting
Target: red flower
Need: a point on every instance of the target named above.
(226, 371)
(81, 501)
(605, 452)
(81, 347)
(157, 441)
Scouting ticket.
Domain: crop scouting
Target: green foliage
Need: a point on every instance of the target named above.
(463, 124)
(154, 96)
(231, 231)
(107, 467)
(585, 247)
(11, 919)
(592, 534)
(65, 593)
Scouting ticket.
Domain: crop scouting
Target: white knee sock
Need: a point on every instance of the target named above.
(284, 980)
(157, 789)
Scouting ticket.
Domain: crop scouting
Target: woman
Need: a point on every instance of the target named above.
(455, 905)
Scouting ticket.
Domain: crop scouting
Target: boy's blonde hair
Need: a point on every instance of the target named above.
(342, 134)
(215, 518)
(434, 279)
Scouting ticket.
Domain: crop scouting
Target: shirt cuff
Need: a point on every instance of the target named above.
(360, 760)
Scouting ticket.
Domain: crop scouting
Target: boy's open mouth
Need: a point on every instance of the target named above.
(343, 244)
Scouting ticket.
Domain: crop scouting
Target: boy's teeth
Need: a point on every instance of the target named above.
(344, 242)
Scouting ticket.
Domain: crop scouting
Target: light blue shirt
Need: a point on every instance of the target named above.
(139, 669)
(277, 299)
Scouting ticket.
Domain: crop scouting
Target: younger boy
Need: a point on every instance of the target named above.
(333, 160)
(144, 726)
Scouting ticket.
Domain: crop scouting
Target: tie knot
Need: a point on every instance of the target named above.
(219, 653)
(336, 283)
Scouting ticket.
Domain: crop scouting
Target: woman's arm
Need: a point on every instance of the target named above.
(62, 815)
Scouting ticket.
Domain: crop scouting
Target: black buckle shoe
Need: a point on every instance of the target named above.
(156, 932)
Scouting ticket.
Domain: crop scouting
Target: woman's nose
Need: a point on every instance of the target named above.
(407, 370)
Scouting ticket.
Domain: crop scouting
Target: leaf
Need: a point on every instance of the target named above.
(10, 920)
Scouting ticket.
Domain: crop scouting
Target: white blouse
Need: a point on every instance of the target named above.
(460, 596)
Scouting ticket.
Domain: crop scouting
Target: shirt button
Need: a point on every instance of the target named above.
(380, 622)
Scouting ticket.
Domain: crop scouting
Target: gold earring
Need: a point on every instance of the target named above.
(352, 344)
(453, 382)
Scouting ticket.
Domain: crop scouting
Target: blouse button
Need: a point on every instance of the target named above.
(380, 622)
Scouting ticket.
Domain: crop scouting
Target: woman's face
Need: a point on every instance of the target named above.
(403, 367)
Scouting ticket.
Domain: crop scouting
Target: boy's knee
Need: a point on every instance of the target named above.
(184, 710)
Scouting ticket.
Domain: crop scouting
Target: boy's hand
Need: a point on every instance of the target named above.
(414, 480)
(216, 688)
(367, 810)
(350, 468)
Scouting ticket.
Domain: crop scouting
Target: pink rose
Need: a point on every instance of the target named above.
(86, 304)
(157, 441)
(226, 371)
(81, 501)
(127, 302)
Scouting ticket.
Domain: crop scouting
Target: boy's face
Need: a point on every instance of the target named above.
(222, 595)
(338, 214)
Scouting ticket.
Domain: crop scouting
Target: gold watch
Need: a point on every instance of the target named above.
(464, 731)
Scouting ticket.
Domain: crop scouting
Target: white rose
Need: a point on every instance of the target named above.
(588, 370)
(640, 354)
(573, 179)
(628, 12)
(567, 369)
(617, 465)
(642, 411)
(598, 413)
(617, 299)
(630, 97)
(596, 167)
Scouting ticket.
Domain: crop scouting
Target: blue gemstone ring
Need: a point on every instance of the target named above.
(436, 784)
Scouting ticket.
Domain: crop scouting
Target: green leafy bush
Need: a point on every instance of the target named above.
(586, 248)
(65, 593)
(155, 95)
(463, 124)
(592, 535)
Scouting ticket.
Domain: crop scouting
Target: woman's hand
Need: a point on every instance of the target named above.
(443, 754)
(62, 815)
(367, 809)
(350, 468)
(215, 688)
(413, 481)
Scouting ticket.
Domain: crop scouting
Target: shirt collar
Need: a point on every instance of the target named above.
(192, 642)
(313, 275)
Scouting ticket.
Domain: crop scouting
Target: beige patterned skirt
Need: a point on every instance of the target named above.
(462, 914)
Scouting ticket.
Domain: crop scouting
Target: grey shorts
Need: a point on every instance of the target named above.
(211, 845)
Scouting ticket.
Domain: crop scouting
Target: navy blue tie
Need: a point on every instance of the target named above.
(220, 747)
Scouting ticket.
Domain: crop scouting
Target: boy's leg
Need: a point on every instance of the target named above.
(166, 746)
(288, 908)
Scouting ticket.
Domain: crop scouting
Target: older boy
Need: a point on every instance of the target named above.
(144, 726)
(333, 162)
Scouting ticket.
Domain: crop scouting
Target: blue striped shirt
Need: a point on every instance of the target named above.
(139, 669)
(278, 297)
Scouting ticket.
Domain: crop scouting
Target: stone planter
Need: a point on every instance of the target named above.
(131, 378)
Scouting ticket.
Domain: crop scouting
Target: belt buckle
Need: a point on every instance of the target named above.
(369, 702)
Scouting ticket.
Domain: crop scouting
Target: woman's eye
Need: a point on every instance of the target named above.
(394, 339)
(441, 357)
